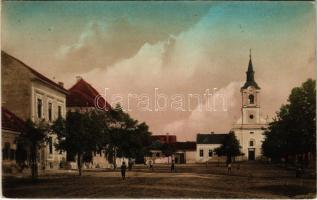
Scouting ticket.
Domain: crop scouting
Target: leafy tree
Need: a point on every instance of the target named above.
(80, 133)
(168, 149)
(230, 147)
(128, 137)
(293, 130)
(33, 137)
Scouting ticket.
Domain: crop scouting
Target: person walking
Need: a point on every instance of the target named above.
(130, 164)
(229, 168)
(173, 166)
(123, 170)
(151, 165)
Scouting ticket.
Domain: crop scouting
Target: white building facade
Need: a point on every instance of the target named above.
(206, 145)
(30, 95)
(250, 127)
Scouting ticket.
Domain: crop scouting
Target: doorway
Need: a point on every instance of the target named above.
(251, 154)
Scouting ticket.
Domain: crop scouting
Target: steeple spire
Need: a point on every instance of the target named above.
(250, 75)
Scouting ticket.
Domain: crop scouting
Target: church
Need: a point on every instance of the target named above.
(250, 127)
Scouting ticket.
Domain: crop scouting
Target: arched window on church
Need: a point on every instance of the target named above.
(251, 99)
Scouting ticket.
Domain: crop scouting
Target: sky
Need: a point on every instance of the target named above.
(180, 48)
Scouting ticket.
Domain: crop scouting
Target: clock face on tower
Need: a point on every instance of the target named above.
(251, 117)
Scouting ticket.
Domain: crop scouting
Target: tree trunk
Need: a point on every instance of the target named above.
(34, 168)
(115, 159)
(79, 163)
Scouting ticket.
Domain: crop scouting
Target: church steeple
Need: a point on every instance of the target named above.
(250, 76)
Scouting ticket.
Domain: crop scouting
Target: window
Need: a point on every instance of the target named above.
(251, 116)
(50, 143)
(251, 132)
(251, 143)
(50, 112)
(59, 111)
(210, 153)
(12, 154)
(39, 108)
(201, 153)
(157, 154)
(251, 99)
(6, 151)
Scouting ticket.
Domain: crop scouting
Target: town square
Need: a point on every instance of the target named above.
(210, 99)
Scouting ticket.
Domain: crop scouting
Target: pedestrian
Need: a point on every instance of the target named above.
(123, 169)
(229, 168)
(173, 166)
(130, 165)
(151, 165)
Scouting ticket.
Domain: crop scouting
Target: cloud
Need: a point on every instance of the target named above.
(204, 121)
(100, 45)
(197, 59)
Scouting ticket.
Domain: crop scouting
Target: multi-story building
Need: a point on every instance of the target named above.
(30, 95)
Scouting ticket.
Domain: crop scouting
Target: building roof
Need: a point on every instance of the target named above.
(169, 139)
(210, 138)
(185, 145)
(11, 122)
(250, 76)
(82, 94)
(36, 73)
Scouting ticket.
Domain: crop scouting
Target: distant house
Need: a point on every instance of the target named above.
(185, 152)
(81, 97)
(206, 145)
(11, 128)
(30, 95)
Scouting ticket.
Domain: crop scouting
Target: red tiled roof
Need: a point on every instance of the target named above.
(11, 122)
(82, 94)
(169, 139)
(36, 73)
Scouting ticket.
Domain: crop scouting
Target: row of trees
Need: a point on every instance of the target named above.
(83, 133)
(293, 130)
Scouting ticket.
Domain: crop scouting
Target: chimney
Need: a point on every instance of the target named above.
(61, 84)
(78, 78)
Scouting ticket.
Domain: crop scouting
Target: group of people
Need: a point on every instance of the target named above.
(151, 167)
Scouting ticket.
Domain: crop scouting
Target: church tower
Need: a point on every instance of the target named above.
(250, 127)
(250, 92)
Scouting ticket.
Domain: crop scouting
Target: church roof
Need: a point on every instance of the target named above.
(250, 76)
(82, 94)
(11, 122)
(210, 138)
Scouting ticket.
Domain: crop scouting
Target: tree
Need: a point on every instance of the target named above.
(168, 150)
(128, 137)
(33, 137)
(230, 147)
(80, 134)
(293, 130)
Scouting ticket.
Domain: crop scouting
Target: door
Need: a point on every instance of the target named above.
(251, 154)
(182, 158)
